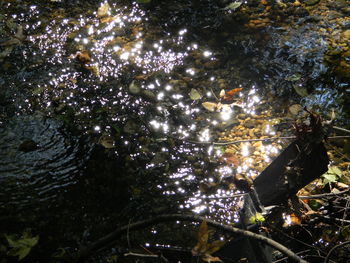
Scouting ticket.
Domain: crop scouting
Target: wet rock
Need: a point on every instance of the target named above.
(28, 146)
(346, 34)
(311, 2)
(130, 127)
(249, 123)
(212, 64)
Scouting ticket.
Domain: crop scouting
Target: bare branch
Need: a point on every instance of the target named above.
(320, 196)
(106, 240)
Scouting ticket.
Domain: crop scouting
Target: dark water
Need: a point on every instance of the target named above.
(120, 90)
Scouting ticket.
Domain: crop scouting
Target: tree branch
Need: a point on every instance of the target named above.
(319, 196)
(85, 252)
(334, 248)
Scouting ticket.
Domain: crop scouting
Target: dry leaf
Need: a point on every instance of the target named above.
(228, 96)
(233, 91)
(205, 249)
(209, 258)
(229, 158)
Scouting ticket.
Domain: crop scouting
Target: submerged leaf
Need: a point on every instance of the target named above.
(103, 10)
(210, 106)
(302, 91)
(195, 95)
(144, 1)
(22, 246)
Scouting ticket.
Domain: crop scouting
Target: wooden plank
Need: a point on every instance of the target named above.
(298, 165)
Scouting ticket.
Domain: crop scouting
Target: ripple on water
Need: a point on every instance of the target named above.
(38, 160)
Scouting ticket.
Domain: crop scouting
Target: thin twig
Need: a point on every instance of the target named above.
(140, 255)
(248, 140)
(334, 248)
(85, 252)
(319, 196)
(341, 129)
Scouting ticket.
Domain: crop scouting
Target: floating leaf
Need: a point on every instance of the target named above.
(195, 95)
(144, 1)
(210, 106)
(21, 247)
(233, 6)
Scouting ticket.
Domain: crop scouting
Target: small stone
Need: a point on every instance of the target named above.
(249, 124)
(311, 2)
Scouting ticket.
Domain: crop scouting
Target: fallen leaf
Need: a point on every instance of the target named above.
(210, 106)
(229, 158)
(209, 258)
(302, 91)
(195, 95)
(233, 6)
(103, 10)
(233, 91)
(214, 246)
(83, 56)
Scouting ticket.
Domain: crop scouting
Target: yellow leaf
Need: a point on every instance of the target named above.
(103, 10)
(195, 95)
(209, 258)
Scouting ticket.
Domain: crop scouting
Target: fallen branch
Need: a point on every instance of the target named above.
(85, 252)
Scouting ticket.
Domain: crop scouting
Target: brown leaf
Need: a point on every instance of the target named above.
(83, 56)
(229, 158)
(202, 240)
(214, 246)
